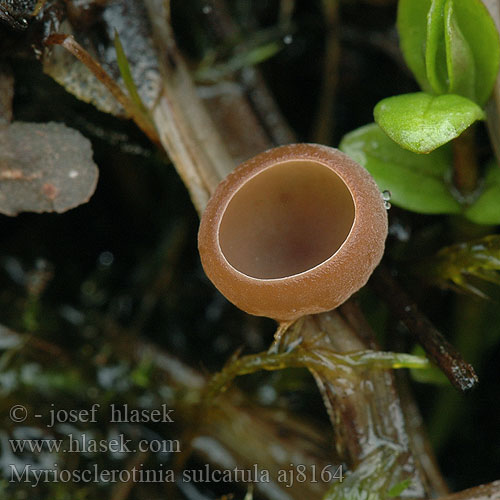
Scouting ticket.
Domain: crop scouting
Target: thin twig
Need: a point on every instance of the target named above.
(324, 123)
(256, 101)
(460, 373)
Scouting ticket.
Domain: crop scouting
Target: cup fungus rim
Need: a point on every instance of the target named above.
(327, 284)
(246, 179)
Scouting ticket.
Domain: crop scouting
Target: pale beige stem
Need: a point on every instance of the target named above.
(186, 131)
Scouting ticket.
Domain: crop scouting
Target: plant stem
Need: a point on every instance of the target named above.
(460, 373)
(465, 165)
(324, 121)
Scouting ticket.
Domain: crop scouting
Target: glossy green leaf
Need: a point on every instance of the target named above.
(480, 32)
(421, 122)
(459, 57)
(486, 209)
(435, 48)
(416, 182)
(451, 46)
(412, 29)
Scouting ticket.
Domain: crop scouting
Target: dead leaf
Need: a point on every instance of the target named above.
(129, 19)
(44, 167)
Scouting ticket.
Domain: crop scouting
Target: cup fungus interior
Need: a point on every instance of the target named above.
(287, 219)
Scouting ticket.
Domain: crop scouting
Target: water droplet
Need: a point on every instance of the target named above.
(207, 9)
(106, 258)
(386, 195)
(287, 39)
(267, 394)
(387, 205)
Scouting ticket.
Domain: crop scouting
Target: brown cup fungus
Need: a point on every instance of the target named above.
(295, 230)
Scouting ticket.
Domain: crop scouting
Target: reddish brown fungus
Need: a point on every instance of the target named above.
(295, 230)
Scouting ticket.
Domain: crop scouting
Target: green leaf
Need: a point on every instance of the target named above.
(435, 49)
(126, 74)
(412, 28)
(432, 375)
(486, 209)
(416, 182)
(480, 32)
(451, 46)
(421, 122)
(459, 57)
(398, 488)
